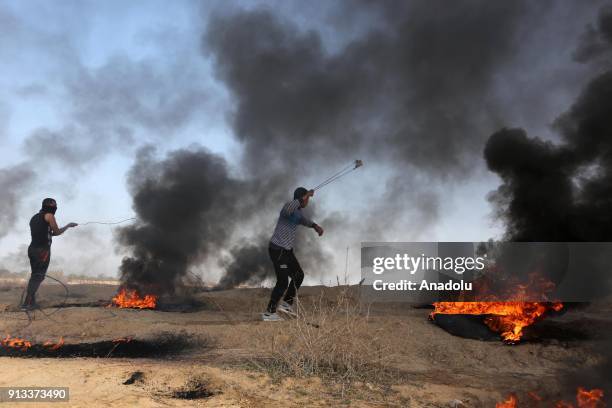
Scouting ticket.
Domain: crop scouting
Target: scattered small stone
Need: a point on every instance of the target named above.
(136, 376)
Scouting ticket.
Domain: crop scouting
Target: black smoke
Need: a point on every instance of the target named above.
(559, 191)
(248, 263)
(394, 93)
(562, 191)
(187, 206)
(14, 183)
(595, 41)
(190, 209)
(398, 91)
(409, 89)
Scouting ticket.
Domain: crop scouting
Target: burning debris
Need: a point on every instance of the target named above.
(589, 399)
(130, 299)
(17, 344)
(506, 318)
(561, 192)
(510, 402)
(54, 346)
(161, 345)
(584, 399)
(554, 192)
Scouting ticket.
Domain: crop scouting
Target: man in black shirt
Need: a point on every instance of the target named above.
(43, 227)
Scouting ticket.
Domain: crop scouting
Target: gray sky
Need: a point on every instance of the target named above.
(85, 84)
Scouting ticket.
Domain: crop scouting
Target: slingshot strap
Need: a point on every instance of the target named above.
(343, 172)
(108, 223)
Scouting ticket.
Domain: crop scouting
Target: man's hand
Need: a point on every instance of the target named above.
(318, 229)
(305, 198)
(50, 218)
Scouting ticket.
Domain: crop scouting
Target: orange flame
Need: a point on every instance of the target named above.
(510, 402)
(507, 318)
(590, 399)
(131, 299)
(14, 342)
(511, 317)
(24, 345)
(54, 346)
(584, 399)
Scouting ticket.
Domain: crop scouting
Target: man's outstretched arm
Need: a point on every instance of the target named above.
(55, 230)
(311, 224)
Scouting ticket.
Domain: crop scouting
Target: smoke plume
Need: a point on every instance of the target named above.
(563, 191)
(187, 206)
(394, 92)
(385, 94)
(14, 182)
(248, 263)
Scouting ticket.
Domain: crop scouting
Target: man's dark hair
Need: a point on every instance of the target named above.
(299, 193)
(48, 202)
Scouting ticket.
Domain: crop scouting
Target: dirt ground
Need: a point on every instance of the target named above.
(434, 368)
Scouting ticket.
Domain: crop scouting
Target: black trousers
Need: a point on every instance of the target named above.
(39, 262)
(285, 266)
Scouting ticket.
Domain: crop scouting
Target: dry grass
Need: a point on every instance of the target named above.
(329, 339)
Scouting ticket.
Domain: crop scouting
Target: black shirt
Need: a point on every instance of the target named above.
(41, 231)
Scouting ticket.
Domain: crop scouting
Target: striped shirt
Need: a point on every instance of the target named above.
(288, 220)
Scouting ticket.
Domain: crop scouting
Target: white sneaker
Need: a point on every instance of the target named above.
(286, 308)
(271, 317)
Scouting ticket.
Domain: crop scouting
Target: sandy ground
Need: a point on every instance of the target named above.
(434, 367)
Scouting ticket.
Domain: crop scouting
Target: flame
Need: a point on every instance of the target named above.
(131, 299)
(510, 402)
(123, 340)
(590, 399)
(584, 399)
(507, 318)
(14, 342)
(24, 345)
(511, 317)
(54, 346)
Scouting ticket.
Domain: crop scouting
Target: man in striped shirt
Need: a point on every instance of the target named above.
(281, 253)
